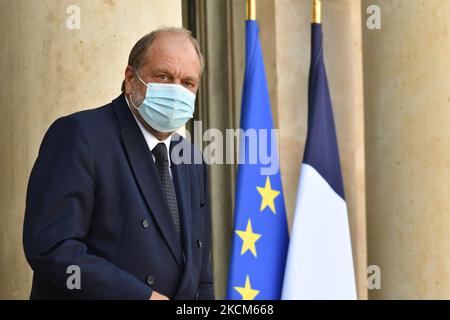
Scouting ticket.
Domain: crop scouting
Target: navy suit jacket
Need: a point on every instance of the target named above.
(95, 201)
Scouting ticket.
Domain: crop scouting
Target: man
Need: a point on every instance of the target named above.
(109, 213)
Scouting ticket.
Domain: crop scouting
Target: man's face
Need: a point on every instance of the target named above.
(171, 58)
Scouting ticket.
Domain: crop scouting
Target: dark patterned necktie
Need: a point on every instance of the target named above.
(162, 165)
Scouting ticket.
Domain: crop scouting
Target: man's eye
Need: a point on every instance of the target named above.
(163, 77)
(188, 85)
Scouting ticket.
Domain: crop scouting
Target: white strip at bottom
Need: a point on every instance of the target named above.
(319, 263)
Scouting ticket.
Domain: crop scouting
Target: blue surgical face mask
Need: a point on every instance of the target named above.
(166, 106)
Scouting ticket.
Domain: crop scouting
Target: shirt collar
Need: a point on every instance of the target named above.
(151, 140)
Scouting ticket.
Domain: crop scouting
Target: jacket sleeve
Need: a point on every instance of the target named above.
(59, 207)
(206, 286)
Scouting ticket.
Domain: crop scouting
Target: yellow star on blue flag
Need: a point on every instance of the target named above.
(268, 196)
(247, 292)
(249, 239)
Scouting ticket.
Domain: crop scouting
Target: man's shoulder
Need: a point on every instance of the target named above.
(90, 126)
(93, 119)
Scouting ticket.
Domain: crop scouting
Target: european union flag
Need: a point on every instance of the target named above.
(260, 237)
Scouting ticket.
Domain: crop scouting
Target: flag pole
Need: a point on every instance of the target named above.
(251, 10)
(316, 11)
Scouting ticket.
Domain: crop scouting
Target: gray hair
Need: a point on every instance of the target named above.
(139, 50)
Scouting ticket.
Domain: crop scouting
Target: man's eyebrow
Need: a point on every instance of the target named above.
(161, 70)
(191, 78)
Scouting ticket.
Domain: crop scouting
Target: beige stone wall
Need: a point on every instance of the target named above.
(49, 71)
(407, 103)
(343, 60)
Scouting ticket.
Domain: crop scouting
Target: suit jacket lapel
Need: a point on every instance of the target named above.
(182, 180)
(144, 169)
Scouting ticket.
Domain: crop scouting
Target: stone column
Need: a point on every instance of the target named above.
(407, 111)
(48, 71)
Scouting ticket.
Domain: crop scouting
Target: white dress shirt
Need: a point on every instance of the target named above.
(151, 140)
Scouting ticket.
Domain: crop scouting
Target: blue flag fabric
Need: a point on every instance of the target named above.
(321, 148)
(260, 236)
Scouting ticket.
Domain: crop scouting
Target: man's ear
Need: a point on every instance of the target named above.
(129, 74)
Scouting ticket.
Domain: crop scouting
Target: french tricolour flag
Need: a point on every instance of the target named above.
(319, 263)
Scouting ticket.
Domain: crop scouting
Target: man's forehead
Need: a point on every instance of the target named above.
(174, 47)
(169, 37)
